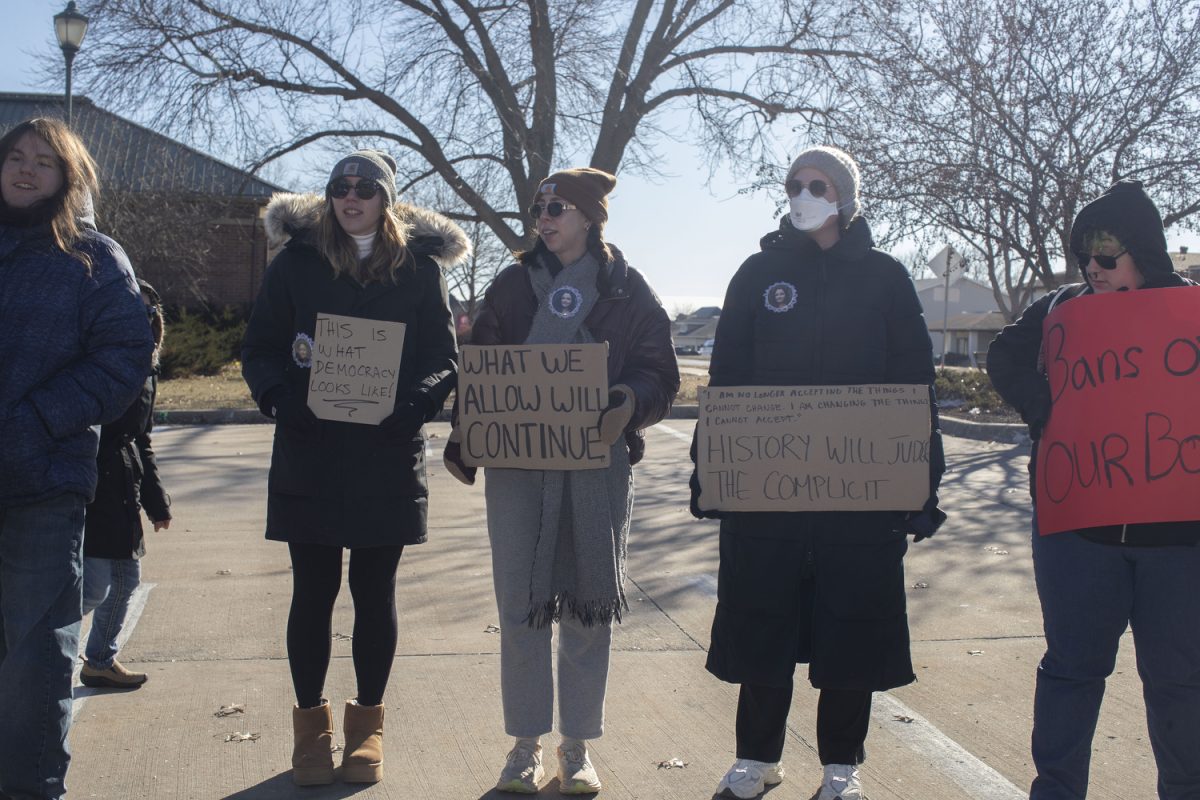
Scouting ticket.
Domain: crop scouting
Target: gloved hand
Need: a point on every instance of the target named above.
(694, 486)
(410, 413)
(452, 459)
(1037, 414)
(616, 416)
(924, 523)
(290, 410)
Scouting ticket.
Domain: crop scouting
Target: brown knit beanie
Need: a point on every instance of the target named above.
(585, 188)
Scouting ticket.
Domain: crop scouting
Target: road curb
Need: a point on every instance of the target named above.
(952, 426)
(1008, 432)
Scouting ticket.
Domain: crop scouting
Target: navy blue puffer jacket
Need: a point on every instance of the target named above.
(75, 350)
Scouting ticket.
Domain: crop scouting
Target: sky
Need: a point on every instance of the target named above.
(687, 235)
(687, 264)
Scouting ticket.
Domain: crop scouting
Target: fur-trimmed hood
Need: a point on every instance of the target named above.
(289, 215)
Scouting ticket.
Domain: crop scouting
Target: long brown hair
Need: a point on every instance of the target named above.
(80, 186)
(389, 254)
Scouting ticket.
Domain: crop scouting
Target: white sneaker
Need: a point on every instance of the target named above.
(523, 771)
(576, 775)
(747, 778)
(840, 783)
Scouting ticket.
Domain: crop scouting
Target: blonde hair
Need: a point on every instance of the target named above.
(80, 186)
(388, 257)
(1097, 238)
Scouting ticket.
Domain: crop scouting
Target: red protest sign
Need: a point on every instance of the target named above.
(1123, 441)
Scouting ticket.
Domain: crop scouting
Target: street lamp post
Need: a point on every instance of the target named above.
(70, 27)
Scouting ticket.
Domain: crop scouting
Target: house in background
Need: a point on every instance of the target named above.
(691, 331)
(968, 311)
(1187, 264)
(192, 225)
(969, 337)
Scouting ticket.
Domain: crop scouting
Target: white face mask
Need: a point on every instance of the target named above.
(809, 213)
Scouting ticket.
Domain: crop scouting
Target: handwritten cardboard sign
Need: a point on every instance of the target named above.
(355, 365)
(533, 406)
(1123, 441)
(813, 448)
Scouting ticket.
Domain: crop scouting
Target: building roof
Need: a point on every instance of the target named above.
(958, 277)
(703, 332)
(135, 157)
(979, 321)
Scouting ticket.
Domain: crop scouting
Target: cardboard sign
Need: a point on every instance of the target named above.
(355, 365)
(533, 406)
(1123, 441)
(813, 448)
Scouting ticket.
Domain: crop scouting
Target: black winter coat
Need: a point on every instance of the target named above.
(855, 319)
(627, 316)
(129, 482)
(348, 484)
(1015, 370)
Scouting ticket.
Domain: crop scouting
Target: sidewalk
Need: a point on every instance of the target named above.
(212, 635)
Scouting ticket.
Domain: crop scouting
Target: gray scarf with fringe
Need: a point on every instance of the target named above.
(579, 557)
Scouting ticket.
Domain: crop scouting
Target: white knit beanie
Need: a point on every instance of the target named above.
(841, 170)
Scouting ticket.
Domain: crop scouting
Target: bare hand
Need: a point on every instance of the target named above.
(162, 525)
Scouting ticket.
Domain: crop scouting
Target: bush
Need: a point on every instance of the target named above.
(201, 343)
(972, 387)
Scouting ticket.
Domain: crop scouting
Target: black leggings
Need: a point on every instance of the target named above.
(316, 580)
(843, 716)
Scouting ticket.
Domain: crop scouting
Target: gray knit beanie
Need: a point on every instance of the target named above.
(369, 164)
(842, 171)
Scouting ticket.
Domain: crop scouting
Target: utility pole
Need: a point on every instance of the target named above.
(946, 307)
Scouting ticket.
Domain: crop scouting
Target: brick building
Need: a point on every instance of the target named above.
(192, 225)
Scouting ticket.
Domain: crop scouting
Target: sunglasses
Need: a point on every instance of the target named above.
(816, 188)
(1105, 262)
(365, 189)
(554, 208)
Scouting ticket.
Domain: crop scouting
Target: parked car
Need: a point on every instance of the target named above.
(707, 348)
(685, 350)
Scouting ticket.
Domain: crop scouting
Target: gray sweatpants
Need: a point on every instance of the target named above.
(526, 679)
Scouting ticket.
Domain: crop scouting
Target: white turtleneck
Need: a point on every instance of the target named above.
(364, 243)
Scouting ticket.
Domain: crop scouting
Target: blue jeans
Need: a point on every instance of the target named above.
(108, 583)
(1089, 593)
(41, 566)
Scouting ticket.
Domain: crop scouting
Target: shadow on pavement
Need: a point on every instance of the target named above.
(281, 786)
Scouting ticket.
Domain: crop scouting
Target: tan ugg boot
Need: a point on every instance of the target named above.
(312, 753)
(362, 760)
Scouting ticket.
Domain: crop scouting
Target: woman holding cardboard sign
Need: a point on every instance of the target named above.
(360, 273)
(558, 537)
(818, 306)
(1095, 582)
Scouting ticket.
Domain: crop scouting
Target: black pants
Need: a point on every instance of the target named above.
(842, 719)
(316, 581)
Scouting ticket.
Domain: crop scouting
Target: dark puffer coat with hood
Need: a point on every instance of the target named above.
(342, 483)
(129, 482)
(853, 317)
(1013, 364)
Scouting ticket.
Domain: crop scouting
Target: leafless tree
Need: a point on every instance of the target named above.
(485, 97)
(997, 120)
(469, 279)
